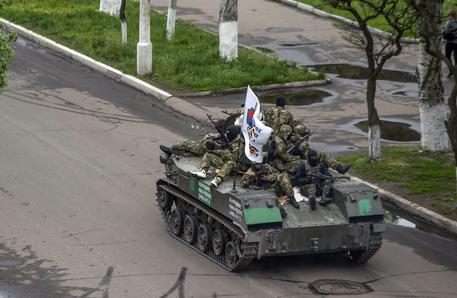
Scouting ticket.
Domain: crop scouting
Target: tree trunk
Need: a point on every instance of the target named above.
(111, 7)
(171, 19)
(374, 128)
(123, 22)
(144, 46)
(433, 110)
(228, 29)
(451, 123)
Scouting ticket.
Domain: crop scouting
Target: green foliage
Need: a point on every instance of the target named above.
(420, 172)
(379, 22)
(6, 53)
(189, 62)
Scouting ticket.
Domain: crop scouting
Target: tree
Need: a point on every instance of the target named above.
(6, 53)
(123, 22)
(432, 107)
(228, 29)
(422, 8)
(396, 14)
(171, 19)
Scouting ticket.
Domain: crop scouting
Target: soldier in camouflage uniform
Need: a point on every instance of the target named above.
(266, 175)
(197, 148)
(301, 131)
(224, 159)
(314, 185)
(289, 162)
(278, 115)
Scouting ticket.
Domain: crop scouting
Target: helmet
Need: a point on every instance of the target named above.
(285, 131)
(280, 101)
(300, 129)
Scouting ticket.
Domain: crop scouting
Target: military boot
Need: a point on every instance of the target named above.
(294, 202)
(201, 173)
(216, 181)
(165, 149)
(342, 168)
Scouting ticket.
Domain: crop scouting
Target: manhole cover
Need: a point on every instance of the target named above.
(339, 287)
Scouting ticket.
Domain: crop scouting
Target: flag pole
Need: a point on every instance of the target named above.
(234, 190)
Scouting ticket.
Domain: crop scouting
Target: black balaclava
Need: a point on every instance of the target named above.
(232, 132)
(280, 101)
(312, 158)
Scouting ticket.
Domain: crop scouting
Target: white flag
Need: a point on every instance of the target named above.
(255, 133)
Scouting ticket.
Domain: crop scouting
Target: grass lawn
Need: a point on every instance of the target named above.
(379, 23)
(426, 178)
(189, 63)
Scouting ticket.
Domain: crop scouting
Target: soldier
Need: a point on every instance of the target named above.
(197, 148)
(289, 162)
(278, 115)
(264, 175)
(317, 179)
(223, 159)
(301, 131)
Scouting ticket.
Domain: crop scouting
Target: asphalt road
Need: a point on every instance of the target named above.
(79, 157)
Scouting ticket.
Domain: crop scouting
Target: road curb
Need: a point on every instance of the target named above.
(106, 70)
(437, 221)
(321, 13)
(271, 87)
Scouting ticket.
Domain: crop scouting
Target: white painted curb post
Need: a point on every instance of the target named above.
(144, 46)
(171, 19)
(110, 7)
(228, 29)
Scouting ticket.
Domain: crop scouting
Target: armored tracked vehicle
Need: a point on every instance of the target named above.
(233, 227)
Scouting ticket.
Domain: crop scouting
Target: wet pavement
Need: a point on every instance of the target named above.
(320, 44)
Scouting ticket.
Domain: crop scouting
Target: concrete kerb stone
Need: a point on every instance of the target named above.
(106, 70)
(291, 85)
(448, 226)
(321, 13)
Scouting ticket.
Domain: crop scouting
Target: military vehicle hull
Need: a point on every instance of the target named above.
(232, 227)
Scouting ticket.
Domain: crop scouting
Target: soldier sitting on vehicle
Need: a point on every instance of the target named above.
(222, 159)
(299, 139)
(200, 147)
(266, 176)
(315, 179)
(278, 115)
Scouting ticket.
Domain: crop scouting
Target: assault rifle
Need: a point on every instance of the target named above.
(295, 147)
(218, 129)
(326, 177)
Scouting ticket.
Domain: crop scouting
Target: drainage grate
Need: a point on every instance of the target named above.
(339, 287)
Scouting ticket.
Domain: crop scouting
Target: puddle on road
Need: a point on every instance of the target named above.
(393, 131)
(297, 98)
(356, 72)
(395, 219)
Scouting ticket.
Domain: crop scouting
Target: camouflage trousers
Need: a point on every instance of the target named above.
(280, 181)
(311, 191)
(224, 166)
(283, 185)
(197, 148)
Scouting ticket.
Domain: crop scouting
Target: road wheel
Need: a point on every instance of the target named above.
(231, 257)
(203, 237)
(175, 223)
(190, 229)
(164, 200)
(219, 241)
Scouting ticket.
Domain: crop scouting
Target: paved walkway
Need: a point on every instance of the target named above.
(308, 40)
